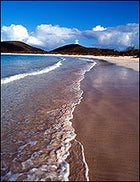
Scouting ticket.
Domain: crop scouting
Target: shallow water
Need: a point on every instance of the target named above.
(36, 114)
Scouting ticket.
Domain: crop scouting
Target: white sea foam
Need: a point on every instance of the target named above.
(84, 160)
(86, 59)
(88, 68)
(72, 134)
(12, 177)
(23, 75)
(31, 143)
(89, 60)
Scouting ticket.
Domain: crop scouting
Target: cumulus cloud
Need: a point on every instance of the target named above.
(98, 28)
(45, 36)
(14, 32)
(118, 37)
(49, 36)
(52, 36)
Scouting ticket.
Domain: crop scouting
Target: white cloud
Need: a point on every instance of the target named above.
(14, 32)
(49, 36)
(52, 36)
(98, 28)
(34, 41)
(118, 37)
(45, 36)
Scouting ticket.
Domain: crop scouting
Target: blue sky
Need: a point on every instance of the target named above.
(62, 22)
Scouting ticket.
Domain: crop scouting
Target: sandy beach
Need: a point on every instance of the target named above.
(106, 123)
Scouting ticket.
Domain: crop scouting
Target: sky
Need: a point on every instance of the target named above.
(51, 24)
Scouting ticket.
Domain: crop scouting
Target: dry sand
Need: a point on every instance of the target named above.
(126, 61)
(106, 123)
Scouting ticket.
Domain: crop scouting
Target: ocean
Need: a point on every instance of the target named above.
(38, 98)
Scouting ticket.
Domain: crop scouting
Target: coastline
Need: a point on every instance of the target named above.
(126, 61)
(106, 123)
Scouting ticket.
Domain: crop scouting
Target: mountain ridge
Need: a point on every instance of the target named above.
(78, 49)
(70, 49)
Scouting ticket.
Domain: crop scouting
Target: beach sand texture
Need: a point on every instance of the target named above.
(106, 123)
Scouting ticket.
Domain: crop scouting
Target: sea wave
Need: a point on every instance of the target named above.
(23, 75)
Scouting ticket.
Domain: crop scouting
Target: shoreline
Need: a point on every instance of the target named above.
(125, 61)
(106, 123)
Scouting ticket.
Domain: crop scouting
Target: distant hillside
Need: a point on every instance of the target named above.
(19, 47)
(133, 52)
(75, 49)
(78, 49)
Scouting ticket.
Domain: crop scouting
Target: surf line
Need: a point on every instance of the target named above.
(84, 160)
(79, 143)
(23, 75)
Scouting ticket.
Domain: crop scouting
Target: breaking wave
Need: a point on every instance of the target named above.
(23, 75)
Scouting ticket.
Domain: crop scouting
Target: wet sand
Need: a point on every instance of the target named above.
(106, 123)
